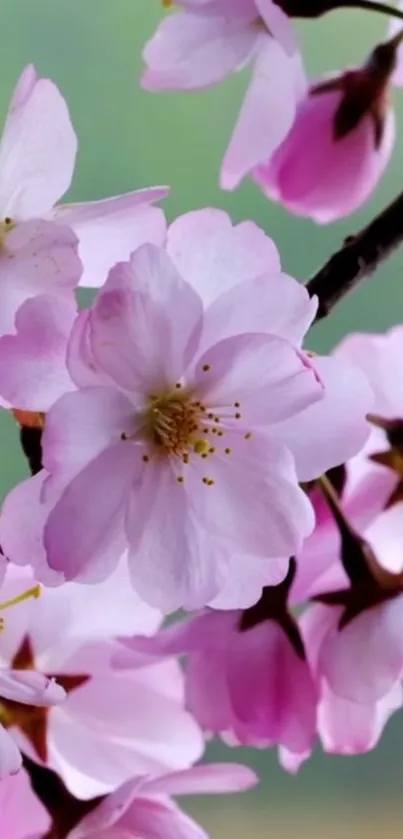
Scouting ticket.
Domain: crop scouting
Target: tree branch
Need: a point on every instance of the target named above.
(359, 257)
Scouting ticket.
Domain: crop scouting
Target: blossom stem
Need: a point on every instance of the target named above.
(360, 255)
(382, 8)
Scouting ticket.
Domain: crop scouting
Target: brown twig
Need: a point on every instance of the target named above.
(359, 257)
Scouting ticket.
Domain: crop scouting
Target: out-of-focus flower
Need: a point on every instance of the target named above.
(143, 806)
(339, 145)
(37, 156)
(111, 725)
(199, 412)
(247, 678)
(202, 43)
(22, 815)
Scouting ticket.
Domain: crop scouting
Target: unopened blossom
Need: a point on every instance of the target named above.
(37, 156)
(339, 145)
(143, 806)
(111, 725)
(197, 413)
(202, 43)
(22, 814)
(247, 678)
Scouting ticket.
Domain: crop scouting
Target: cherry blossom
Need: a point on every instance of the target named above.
(37, 156)
(339, 145)
(143, 806)
(109, 728)
(203, 43)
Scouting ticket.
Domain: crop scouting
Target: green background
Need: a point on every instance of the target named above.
(130, 139)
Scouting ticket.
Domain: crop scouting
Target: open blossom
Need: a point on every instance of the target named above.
(111, 725)
(202, 43)
(192, 423)
(37, 156)
(22, 814)
(143, 806)
(339, 145)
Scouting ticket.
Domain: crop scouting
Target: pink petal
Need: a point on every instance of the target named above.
(10, 756)
(207, 780)
(24, 545)
(255, 505)
(272, 690)
(363, 660)
(83, 369)
(245, 578)
(267, 113)
(191, 51)
(333, 429)
(351, 728)
(110, 230)
(84, 535)
(377, 355)
(135, 335)
(173, 560)
(33, 372)
(273, 303)
(38, 149)
(81, 425)
(279, 24)
(22, 814)
(214, 256)
(154, 819)
(39, 257)
(266, 375)
(30, 688)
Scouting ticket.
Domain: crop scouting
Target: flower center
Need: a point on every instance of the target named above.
(174, 423)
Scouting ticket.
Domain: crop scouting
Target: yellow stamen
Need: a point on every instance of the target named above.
(201, 446)
(31, 592)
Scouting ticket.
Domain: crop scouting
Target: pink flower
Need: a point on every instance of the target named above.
(112, 725)
(205, 42)
(339, 145)
(246, 674)
(37, 156)
(22, 815)
(345, 726)
(200, 431)
(143, 806)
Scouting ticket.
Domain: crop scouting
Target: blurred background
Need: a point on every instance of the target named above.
(130, 139)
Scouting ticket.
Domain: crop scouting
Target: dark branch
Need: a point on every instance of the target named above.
(359, 257)
(64, 809)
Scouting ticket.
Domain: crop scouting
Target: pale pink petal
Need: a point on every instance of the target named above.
(84, 534)
(30, 688)
(340, 417)
(110, 230)
(246, 576)
(173, 561)
(257, 480)
(350, 728)
(160, 819)
(69, 443)
(10, 756)
(267, 113)
(22, 814)
(130, 324)
(37, 151)
(39, 257)
(33, 372)
(82, 366)
(292, 761)
(377, 356)
(384, 536)
(363, 660)
(279, 24)
(209, 779)
(264, 375)
(273, 303)
(191, 51)
(213, 255)
(24, 545)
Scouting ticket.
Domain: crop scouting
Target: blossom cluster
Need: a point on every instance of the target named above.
(188, 452)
